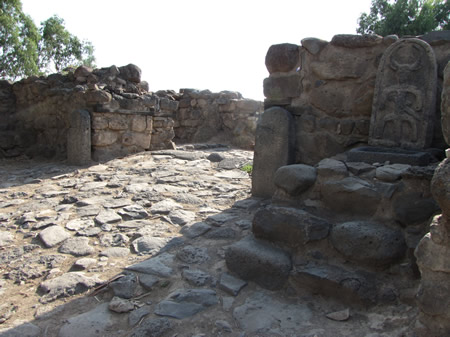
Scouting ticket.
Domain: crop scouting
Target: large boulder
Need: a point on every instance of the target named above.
(295, 179)
(282, 57)
(369, 243)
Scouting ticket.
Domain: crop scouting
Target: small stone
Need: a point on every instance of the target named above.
(148, 244)
(193, 255)
(223, 325)
(147, 281)
(115, 252)
(120, 305)
(5, 238)
(196, 277)
(181, 217)
(53, 235)
(125, 286)
(185, 303)
(78, 246)
(231, 284)
(158, 265)
(107, 216)
(195, 230)
(136, 315)
(152, 327)
(78, 224)
(84, 263)
(341, 315)
(133, 212)
(66, 285)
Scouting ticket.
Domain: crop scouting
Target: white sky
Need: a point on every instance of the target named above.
(203, 44)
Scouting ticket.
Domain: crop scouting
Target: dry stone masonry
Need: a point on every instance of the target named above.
(346, 152)
(38, 115)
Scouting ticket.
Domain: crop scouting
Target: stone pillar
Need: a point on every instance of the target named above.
(79, 138)
(433, 259)
(445, 104)
(274, 147)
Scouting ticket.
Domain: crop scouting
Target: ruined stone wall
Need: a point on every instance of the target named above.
(329, 86)
(224, 117)
(125, 117)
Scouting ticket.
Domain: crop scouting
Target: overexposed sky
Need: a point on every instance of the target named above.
(203, 44)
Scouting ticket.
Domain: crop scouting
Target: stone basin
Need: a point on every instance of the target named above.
(374, 154)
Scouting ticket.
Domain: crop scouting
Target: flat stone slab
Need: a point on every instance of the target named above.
(53, 235)
(186, 303)
(289, 225)
(370, 155)
(336, 282)
(231, 284)
(77, 246)
(158, 265)
(266, 316)
(93, 323)
(66, 285)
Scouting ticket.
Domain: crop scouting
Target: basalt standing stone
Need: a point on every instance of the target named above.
(405, 96)
(274, 147)
(79, 138)
(445, 104)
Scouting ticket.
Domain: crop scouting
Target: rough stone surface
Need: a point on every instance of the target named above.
(274, 148)
(405, 96)
(282, 57)
(79, 138)
(94, 323)
(186, 303)
(231, 284)
(295, 179)
(351, 195)
(368, 242)
(53, 235)
(77, 246)
(66, 285)
(289, 225)
(258, 261)
(445, 105)
(158, 265)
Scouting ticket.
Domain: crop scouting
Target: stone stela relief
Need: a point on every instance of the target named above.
(404, 100)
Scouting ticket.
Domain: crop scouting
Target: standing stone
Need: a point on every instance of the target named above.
(274, 147)
(405, 96)
(445, 104)
(79, 138)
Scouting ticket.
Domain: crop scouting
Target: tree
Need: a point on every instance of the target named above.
(19, 40)
(60, 48)
(405, 17)
(25, 50)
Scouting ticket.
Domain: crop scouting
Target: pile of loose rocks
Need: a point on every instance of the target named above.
(135, 247)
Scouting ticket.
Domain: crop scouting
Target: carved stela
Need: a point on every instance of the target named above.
(405, 96)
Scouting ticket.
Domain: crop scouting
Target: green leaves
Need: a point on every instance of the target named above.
(405, 17)
(25, 50)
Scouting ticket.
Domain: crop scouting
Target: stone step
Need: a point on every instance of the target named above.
(259, 261)
(352, 287)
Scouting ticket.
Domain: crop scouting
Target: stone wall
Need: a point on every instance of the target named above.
(329, 87)
(220, 117)
(125, 117)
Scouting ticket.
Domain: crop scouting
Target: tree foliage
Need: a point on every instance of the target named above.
(405, 17)
(26, 50)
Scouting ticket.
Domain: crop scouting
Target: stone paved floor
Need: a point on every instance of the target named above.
(135, 247)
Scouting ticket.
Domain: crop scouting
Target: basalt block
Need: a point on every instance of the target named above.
(259, 261)
(405, 96)
(289, 225)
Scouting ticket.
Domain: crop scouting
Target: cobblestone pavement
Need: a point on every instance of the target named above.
(135, 247)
